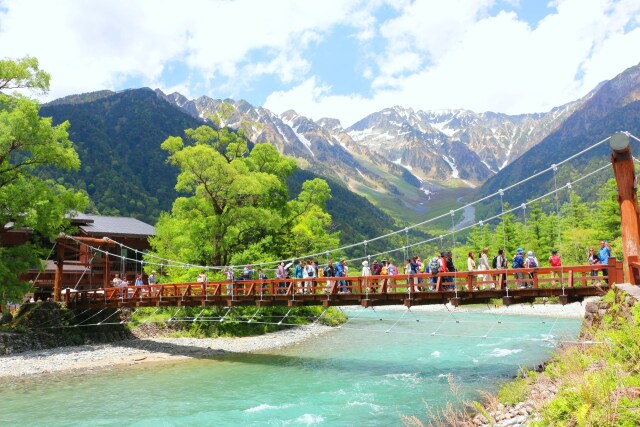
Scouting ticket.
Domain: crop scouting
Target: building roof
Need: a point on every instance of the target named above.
(100, 226)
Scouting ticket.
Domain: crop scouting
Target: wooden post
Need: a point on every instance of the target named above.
(57, 281)
(622, 162)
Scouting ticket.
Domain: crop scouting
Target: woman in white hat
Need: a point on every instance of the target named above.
(366, 272)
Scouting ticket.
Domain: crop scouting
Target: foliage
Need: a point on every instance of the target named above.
(124, 170)
(237, 210)
(515, 391)
(536, 229)
(29, 142)
(201, 323)
(600, 384)
(118, 136)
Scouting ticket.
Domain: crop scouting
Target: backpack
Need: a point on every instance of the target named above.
(531, 262)
(555, 261)
(393, 270)
(434, 264)
(494, 263)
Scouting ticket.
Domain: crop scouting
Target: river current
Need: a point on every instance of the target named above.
(377, 367)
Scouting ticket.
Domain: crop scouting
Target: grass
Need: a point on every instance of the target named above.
(599, 384)
(196, 322)
(517, 390)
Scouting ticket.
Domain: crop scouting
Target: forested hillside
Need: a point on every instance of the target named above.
(124, 170)
(118, 138)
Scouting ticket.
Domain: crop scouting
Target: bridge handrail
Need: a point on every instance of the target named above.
(567, 276)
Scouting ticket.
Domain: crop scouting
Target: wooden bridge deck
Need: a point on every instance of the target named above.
(570, 283)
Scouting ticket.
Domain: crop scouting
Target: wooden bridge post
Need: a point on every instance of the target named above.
(57, 281)
(622, 161)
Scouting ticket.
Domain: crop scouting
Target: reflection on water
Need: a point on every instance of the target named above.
(376, 367)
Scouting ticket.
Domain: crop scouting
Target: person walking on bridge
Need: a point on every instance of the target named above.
(471, 266)
(329, 271)
(555, 261)
(518, 262)
(593, 259)
(604, 254)
(366, 272)
(483, 264)
(451, 268)
(500, 263)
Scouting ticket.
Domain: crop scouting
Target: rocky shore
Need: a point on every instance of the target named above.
(144, 350)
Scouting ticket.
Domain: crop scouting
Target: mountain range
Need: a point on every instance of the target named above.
(398, 158)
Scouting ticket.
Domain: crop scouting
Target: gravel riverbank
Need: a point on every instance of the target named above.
(145, 350)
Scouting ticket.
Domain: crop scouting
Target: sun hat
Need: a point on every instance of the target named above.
(520, 251)
(365, 263)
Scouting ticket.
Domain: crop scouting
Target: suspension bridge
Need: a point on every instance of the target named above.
(569, 283)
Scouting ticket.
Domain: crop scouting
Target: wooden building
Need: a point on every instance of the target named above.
(85, 267)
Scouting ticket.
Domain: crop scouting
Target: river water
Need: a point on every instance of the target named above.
(377, 367)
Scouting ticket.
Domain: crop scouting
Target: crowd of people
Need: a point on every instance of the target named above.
(442, 263)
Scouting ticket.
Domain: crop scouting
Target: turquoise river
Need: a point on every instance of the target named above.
(374, 369)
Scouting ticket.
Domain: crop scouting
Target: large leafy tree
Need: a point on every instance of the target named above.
(29, 143)
(237, 208)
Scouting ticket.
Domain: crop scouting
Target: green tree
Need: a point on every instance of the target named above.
(237, 209)
(29, 143)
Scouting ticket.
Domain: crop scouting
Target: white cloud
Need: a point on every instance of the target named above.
(482, 62)
(434, 54)
(98, 44)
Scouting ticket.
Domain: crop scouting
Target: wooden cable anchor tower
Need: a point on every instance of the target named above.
(63, 243)
(623, 169)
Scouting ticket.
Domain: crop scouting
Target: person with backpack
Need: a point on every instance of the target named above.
(329, 271)
(500, 263)
(530, 262)
(517, 263)
(434, 268)
(555, 261)
(298, 273)
(452, 269)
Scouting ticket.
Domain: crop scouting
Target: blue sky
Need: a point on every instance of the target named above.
(335, 58)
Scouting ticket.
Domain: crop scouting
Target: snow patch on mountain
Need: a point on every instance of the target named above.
(442, 127)
(300, 136)
(452, 165)
(361, 135)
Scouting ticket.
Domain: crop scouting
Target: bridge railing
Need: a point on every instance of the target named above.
(289, 289)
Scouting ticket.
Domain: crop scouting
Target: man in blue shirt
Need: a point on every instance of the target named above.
(604, 253)
(340, 273)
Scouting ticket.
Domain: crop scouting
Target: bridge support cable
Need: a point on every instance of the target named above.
(320, 317)
(175, 263)
(368, 255)
(75, 315)
(174, 314)
(90, 317)
(401, 317)
(486, 220)
(573, 223)
(151, 315)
